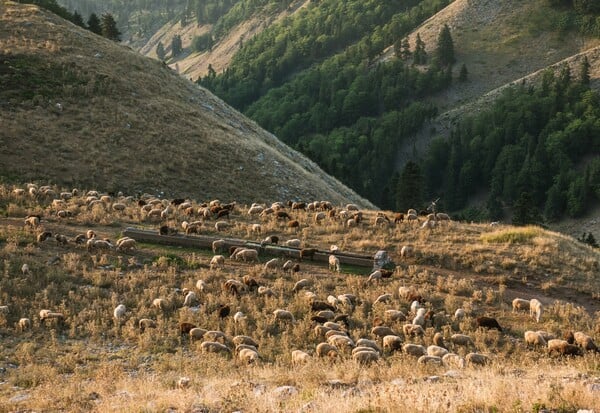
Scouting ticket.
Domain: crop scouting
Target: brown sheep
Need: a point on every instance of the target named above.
(307, 253)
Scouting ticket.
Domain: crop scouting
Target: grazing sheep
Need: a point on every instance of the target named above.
(476, 359)
(190, 299)
(419, 319)
(299, 357)
(327, 350)
(283, 315)
(341, 342)
(436, 351)
(250, 282)
(102, 244)
(32, 221)
(247, 254)
(272, 264)
(161, 304)
(271, 239)
(520, 304)
(383, 298)
(201, 285)
(535, 339)
(183, 383)
(394, 315)
(43, 236)
(196, 333)
(185, 328)
(438, 340)
(126, 244)
(453, 360)
(334, 263)
(218, 261)
(392, 343)
(248, 355)
(215, 335)
(214, 347)
(256, 229)
(239, 318)
(51, 315)
(535, 309)
(219, 246)
(294, 242)
(24, 324)
(318, 305)
(365, 356)
(221, 225)
(294, 224)
(429, 359)
(407, 251)
(303, 283)
(585, 342)
(145, 323)
(234, 287)
(459, 314)
(328, 315)
(413, 330)
(382, 331)
(245, 340)
(25, 269)
(415, 350)
(488, 322)
(307, 253)
(461, 340)
(119, 312)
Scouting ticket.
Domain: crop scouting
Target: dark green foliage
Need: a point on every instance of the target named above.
(584, 71)
(94, 25)
(589, 239)
(176, 46)
(202, 43)
(463, 75)
(409, 192)
(525, 212)
(78, 19)
(108, 27)
(529, 141)
(419, 55)
(444, 51)
(160, 51)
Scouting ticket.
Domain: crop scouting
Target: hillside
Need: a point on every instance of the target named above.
(77, 109)
(148, 357)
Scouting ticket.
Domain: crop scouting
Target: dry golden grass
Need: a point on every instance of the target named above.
(80, 110)
(92, 363)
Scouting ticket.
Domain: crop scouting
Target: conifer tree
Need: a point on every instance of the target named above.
(93, 24)
(419, 55)
(109, 27)
(176, 46)
(463, 75)
(584, 72)
(77, 19)
(160, 51)
(444, 52)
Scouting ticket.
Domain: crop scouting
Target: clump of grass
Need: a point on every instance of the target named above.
(512, 235)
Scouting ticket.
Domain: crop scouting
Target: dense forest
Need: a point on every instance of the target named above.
(536, 150)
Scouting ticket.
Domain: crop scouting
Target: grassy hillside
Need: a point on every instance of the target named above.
(105, 364)
(77, 109)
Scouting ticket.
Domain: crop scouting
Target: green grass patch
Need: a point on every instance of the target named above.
(512, 235)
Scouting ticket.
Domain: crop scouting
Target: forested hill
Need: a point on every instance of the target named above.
(364, 87)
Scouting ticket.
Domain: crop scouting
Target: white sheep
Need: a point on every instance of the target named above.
(383, 298)
(119, 313)
(375, 276)
(412, 330)
(334, 263)
(461, 340)
(24, 324)
(584, 341)
(476, 359)
(256, 228)
(535, 339)
(161, 304)
(248, 356)
(300, 357)
(126, 244)
(535, 309)
(197, 333)
(294, 242)
(520, 304)
(50, 315)
(25, 269)
(272, 264)
(419, 319)
(394, 315)
(201, 285)
(284, 315)
(239, 317)
(415, 350)
(247, 254)
(218, 261)
(190, 299)
(214, 347)
(255, 210)
(365, 356)
(326, 350)
(436, 351)
(415, 306)
(406, 251)
(221, 225)
(392, 342)
(453, 360)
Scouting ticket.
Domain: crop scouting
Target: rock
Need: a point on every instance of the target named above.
(285, 391)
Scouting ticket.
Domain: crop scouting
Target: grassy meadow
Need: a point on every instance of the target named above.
(90, 361)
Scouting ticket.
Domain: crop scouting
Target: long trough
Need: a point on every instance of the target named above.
(205, 242)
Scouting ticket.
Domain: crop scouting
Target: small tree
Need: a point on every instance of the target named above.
(176, 46)
(409, 192)
(109, 27)
(525, 212)
(93, 24)
(160, 51)
(419, 55)
(444, 52)
(584, 72)
(463, 75)
(77, 19)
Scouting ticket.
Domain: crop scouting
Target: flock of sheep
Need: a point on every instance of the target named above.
(400, 323)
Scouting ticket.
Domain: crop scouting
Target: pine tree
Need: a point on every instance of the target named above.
(419, 55)
(77, 19)
(109, 27)
(160, 51)
(525, 212)
(93, 24)
(405, 52)
(176, 46)
(409, 193)
(444, 52)
(584, 72)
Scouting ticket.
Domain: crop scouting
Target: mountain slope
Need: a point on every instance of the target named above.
(77, 109)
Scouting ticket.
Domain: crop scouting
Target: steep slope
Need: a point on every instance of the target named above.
(193, 64)
(77, 109)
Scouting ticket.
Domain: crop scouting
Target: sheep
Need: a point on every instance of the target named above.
(196, 333)
(334, 263)
(476, 359)
(365, 357)
(300, 357)
(214, 347)
(272, 264)
(392, 343)
(190, 299)
(219, 246)
(585, 342)
(271, 239)
(43, 236)
(161, 304)
(318, 305)
(437, 351)
(535, 339)
(459, 314)
(51, 315)
(365, 342)
(126, 244)
(341, 342)
(247, 254)
(201, 285)
(535, 309)
(119, 312)
(415, 305)
(246, 340)
(234, 287)
(394, 315)
(382, 331)
(383, 298)
(25, 269)
(221, 225)
(239, 317)
(32, 221)
(145, 323)
(520, 304)
(215, 335)
(412, 330)
(452, 360)
(461, 340)
(294, 242)
(307, 253)
(94, 243)
(283, 315)
(250, 282)
(326, 314)
(415, 350)
(217, 261)
(488, 322)
(429, 359)
(24, 324)
(248, 356)
(183, 383)
(333, 326)
(184, 328)
(303, 283)
(419, 319)
(326, 350)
